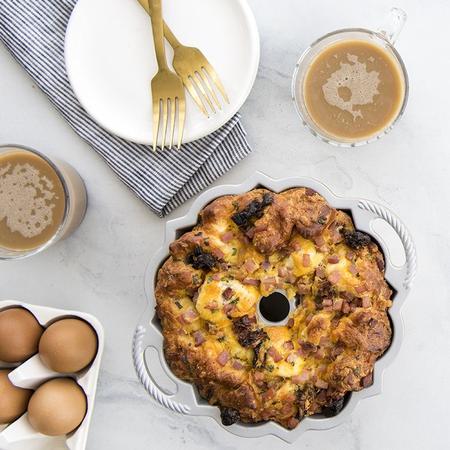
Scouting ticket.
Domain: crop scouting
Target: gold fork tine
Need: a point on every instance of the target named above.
(172, 121)
(198, 84)
(194, 94)
(181, 119)
(206, 82)
(209, 69)
(191, 65)
(165, 111)
(156, 119)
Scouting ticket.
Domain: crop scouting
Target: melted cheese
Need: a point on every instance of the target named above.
(307, 248)
(244, 299)
(278, 336)
(347, 281)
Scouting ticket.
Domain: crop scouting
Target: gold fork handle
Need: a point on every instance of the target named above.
(158, 32)
(172, 39)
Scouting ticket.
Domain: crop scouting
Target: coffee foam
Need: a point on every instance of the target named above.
(362, 84)
(26, 199)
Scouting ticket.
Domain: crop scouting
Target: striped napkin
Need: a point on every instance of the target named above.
(33, 31)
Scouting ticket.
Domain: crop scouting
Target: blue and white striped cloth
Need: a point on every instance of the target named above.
(33, 31)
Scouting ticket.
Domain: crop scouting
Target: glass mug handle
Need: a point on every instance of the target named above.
(393, 24)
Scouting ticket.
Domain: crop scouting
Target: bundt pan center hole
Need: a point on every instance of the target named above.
(275, 307)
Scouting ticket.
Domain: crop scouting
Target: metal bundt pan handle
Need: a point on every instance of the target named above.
(185, 400)
(408, 271)
(145, 337)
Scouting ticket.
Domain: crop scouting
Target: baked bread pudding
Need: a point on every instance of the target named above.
(289, 247)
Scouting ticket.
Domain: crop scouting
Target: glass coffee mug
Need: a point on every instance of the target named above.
(41, 201)
(350, 87)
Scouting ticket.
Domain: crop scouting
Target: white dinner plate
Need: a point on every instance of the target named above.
(110, 60)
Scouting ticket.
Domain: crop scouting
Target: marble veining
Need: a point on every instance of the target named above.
(100, 268)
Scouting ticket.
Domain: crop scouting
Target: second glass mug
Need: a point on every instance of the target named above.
(75, 202)
(384, 37)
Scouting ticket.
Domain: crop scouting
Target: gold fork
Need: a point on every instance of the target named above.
(167, 88)
(194, 69)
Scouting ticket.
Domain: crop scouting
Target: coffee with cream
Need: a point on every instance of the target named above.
(32, 200)
(353, 90)
(41, 201)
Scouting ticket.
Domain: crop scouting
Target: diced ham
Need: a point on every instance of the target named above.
(250, 233)
(198, 239)
(275, 354)
(325, 341)
(227, 293)
(250, 281)
(319, 240)
(334, 277)
(216, 277)
(337, 304)
(306, 347)
(189, 316)
(333, 259)
(320, 272)
(269, 282)
(346, 308)
(181, 319)
(321, 384)
(237, 365)
(260, 227)
(327, 302)
(198, 338)
(223, 358)
(350, 255)
(290, 323)
(320, 353)
(291, 358)
(291, 278)
(229, 308)
(303, 289)
(288, 345)
(302, 377)
(212, 305)
(353, 269)
(269, 394)
(227, 237)
(218, 253)
(258, 376)
(361, 288)
(293, 422)
(283, 272)
(366, 302)
(266, 265)
(306, 260)
(250, 265)
(367, 380)
(335, 235)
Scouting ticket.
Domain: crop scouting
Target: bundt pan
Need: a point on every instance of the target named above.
(185, 399)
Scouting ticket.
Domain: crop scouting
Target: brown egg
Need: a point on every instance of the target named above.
(68, 346)
(19, 335)
(57, 407)
(13, 400)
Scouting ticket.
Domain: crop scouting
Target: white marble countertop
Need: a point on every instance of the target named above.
(100, 268)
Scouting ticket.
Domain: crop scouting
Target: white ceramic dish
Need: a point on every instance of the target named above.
(185, 399)
(110, 60)
(32, 373)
